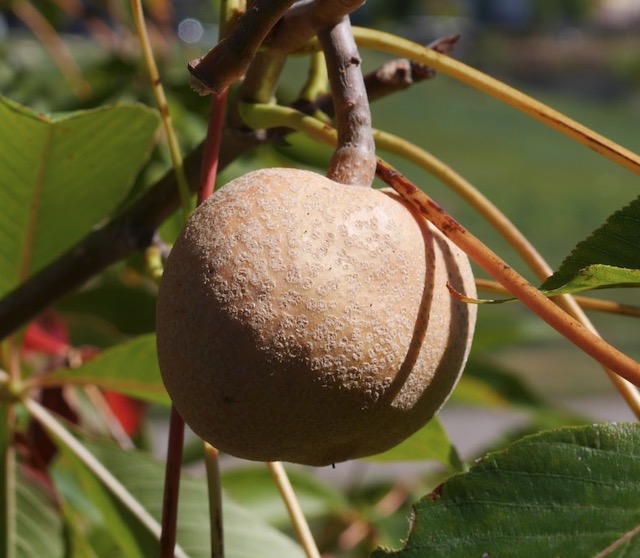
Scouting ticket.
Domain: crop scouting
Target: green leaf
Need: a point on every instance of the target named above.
(254, 487)
(114, 306)
(245, 535)
(7, 482)
(568, 492)
(130, 368)
(615, 244)
(95, 514)
(39, 530)
(430, 442)
(487, 384)
(60, 176)
(598, 276)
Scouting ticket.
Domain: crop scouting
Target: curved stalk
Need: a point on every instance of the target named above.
(354, 159)
(392, 44)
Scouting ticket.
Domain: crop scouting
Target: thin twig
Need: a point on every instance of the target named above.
(229, 59)
(214, 491)
(171, 494)
(353, 162)
(306, 19)
(293, 507)
(211, 158)
(161, 101)
(394, 76)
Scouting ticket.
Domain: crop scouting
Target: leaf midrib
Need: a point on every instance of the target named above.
(34, 209)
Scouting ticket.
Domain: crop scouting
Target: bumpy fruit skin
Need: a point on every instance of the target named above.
(302, 320)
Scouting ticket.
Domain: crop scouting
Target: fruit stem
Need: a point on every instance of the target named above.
(353, 161)
(293, 507)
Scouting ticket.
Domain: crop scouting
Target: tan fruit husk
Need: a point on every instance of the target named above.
(301, 320)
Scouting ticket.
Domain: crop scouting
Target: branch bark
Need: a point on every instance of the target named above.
(305, 19)
(354, 160)
(229, 59)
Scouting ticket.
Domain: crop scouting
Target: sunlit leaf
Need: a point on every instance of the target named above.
(431, 442)
(615, 244)
(62, 175)
(598, 276)
(568, 492)
(130, 368)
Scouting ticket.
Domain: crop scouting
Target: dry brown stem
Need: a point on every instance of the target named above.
(354, 160)
(229, 59)
(306, 19)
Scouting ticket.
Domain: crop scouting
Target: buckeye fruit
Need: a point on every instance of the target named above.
(307, 321)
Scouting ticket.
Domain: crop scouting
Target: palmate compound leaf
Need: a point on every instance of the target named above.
(616, 244)
(571, 492)
(62, 175)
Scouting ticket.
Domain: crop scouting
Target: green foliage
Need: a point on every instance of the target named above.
(246, 535)
(80, 164)
(570, 492)
(614, 247)
(130, 368)
(39, 527)
(431, 442)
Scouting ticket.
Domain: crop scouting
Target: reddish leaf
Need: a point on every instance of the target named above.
(130, 412)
